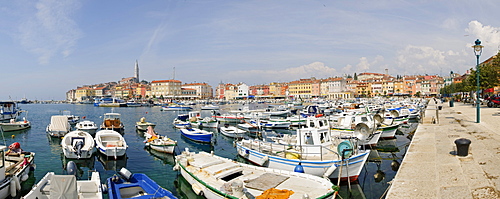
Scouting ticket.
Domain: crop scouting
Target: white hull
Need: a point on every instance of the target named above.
(20, 174)
(59, 126)
(15, 126)
(389, 132)
(87, 126)
(277, 124)
(311, 166)
(217, 178)
(163, 148)
(232, 131)
(110, 143)
(85, 188)
(144, 127)
(69, 144)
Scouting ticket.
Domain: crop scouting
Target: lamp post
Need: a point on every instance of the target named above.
(478, 49)
(452, 100)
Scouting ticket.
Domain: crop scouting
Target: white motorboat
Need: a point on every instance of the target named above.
(14, 170)
(361, 126)
(142, 125)
(87, 126)
(277, 124)
(110, 143)
(58, 126)
(176, 107)
(312, 150)
(72, 119)
(112, 121)
(209, 122)
(158, 142)
(250, 126)
(66, 186)
(215, 177)
(210, 107)
(231, 131)
(229, 118)
(8, 111)
(15, 125)
(78, 145)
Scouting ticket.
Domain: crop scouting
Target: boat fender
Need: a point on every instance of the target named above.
(299, 168)
(12, 187)
(71, 168)
(33, 167)
(18, 183)
(24, 177)
(329, 171)
(264, 160)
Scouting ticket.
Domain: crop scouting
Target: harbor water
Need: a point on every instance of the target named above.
(372, 183)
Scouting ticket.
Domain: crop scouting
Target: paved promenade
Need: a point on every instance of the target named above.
(431, 168)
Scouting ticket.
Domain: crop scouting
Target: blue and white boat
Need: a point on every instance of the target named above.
(110, 143)
(137, 185)
(197, 135)
(176, 107)
(312, 151)
(8, 111)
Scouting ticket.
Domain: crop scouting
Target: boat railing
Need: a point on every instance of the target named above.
(290, 151)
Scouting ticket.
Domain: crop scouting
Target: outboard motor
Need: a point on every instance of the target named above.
(78, 148)
(71, 168)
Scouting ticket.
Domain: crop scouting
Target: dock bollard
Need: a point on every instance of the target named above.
(462, 146)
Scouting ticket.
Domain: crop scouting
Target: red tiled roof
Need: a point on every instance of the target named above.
(164, 81)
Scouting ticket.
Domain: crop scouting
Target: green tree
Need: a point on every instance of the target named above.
(488, 76)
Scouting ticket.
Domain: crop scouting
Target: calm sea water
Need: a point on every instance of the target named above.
(49, 157)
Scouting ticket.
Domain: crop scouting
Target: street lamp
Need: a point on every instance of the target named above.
(452, 100)
(478, 49)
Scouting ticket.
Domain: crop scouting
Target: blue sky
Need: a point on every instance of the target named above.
(48, 47)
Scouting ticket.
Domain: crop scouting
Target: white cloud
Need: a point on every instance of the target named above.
(426, 60)
(450, 23)
(490, 36)
(50, 30)
(315, 69)
(365, 65)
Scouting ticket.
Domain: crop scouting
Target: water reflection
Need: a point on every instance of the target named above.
(110, 164)
(183, 187)
(83, 165)
(195, 146)
(164, 157)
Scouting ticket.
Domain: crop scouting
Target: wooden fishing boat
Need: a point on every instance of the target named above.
(232, 131)
(215, 177)
(142, 125)
(159, 142)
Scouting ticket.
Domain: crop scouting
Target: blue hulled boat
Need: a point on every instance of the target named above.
(136, 185)
(197, 135)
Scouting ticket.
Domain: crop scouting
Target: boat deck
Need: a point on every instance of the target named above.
(220, 173)
(285, 151)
